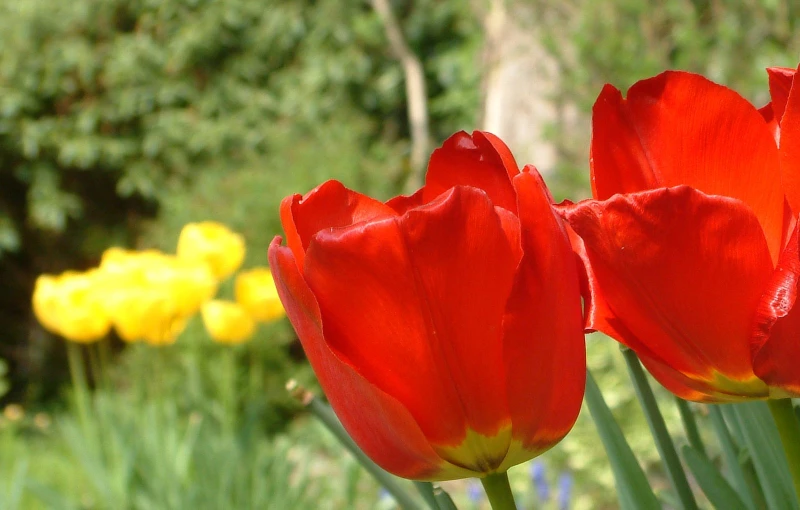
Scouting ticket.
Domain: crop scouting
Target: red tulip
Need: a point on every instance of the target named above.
(445, 327)
(690, 247)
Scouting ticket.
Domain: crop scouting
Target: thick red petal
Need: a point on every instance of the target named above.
(329, 205)
(403, 203)
(543, 326)
(780, 82)
(380, 424)
(776, 339)
(679, 128)
(482, 161)
(790, 149)
(416, 304)
(682, 271)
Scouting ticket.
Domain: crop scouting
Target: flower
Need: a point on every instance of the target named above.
(227, 322)
(539, 479)
(691, 252)
(149, 295)
(70, 305)
(255, 291)
(213, 243)
(445, 327)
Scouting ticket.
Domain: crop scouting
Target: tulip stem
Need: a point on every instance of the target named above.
(499, 492)
(328, 418)
(789, 430)
(731, 455)
(658, 428)
(690, 426)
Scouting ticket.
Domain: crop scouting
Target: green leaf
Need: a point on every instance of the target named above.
(715, 487)
(633, 488)
(761, 438)
(443, 499)
(426, 491)
(658, 429)
(731, 455)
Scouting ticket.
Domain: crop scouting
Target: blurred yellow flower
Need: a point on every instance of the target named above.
(45, 301)
(70, 305)
(213, 243)
(14, 412)
(150, 295)
(144, 313)
(255, 291)
(227, 322)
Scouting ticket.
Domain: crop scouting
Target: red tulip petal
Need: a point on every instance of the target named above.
(679, 128)
(481, 161)
(686, 387)
(682, 271)
(329, 205)
(772, 124)
(380, 425)
(780, 82)
(775, 344)
(415, 303)
(543, 325)
(619, 159)
(403, 203)
(790, 149)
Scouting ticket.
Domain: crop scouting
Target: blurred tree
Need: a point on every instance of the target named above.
(114, 110)
(623, 41)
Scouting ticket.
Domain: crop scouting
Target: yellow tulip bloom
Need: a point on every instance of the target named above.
(150, 295)
(255, 291)
(213, 243)
(71, 305)
(45, 301)
(227, 322)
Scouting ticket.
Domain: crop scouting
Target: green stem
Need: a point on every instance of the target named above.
(731, 456)
(690, 426)
(443, 499)
(789, 430)
(325, 414)
(79, 385)
(658, 428)
(425, 490)
(499, 491)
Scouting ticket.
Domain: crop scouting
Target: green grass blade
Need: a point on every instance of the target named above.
(633, 488)
(658, 429)
(731, 456)
(715, 487)
(761, 438)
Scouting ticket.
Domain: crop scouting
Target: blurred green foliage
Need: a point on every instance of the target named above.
(3, 377)
(113, 113)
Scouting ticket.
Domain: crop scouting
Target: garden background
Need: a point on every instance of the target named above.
(123, 120)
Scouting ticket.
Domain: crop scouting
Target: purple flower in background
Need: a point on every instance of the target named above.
(539, 479)
(383, 494)
(564, 490)
(474, 491)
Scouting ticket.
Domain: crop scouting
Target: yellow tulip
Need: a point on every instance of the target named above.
(255, 291)
(71, 305)
(190, 283)
(45, 302)
(145, 313)
(150, 295)
(227, 322)
(213, 243)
